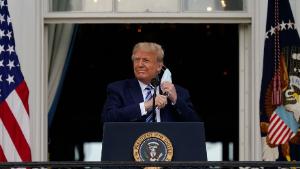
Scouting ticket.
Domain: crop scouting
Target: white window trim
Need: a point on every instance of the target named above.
(81, 17)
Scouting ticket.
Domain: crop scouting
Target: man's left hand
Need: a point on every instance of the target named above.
(169, 89)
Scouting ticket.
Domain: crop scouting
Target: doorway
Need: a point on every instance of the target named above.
(203, 58)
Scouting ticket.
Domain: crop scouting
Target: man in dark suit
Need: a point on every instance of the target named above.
(128, 100)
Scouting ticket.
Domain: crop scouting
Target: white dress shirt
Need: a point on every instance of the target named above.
(142, 104)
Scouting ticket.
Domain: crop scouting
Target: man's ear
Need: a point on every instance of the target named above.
(160, 66)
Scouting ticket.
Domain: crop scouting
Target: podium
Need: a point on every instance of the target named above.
(187, 139)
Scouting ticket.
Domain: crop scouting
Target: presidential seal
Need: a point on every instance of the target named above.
(153, 146)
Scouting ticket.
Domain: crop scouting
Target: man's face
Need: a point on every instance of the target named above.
(145, 66)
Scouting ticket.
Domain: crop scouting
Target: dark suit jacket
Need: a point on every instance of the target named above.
(123, 98)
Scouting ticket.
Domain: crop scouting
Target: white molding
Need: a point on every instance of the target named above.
(250, 76)
(145, 20)
(246, 94)
(43, 76)
(250, 81)
(39, 118)
(243, 113)
(258, 36)
(82, 17)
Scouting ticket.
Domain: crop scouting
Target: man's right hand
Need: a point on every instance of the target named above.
(160, 102)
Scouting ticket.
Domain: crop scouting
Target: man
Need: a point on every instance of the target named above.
(132, 99)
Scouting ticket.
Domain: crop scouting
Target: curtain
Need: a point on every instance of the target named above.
(60, 45)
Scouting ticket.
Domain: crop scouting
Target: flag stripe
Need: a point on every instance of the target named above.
(10, 153)
(15, 132)
(278, 134)
(273, 116)
(281, 138)
(282, 135)
(23, 93)
(274, 120)
(2, 155)
(276, 128)
(289, 136)
(17, 108)
(273, 126)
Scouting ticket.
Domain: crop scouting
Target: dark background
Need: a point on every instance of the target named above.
(202, 58)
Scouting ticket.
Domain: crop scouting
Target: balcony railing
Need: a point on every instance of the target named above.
(165, 165)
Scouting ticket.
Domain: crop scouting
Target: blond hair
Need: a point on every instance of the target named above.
(149, 47)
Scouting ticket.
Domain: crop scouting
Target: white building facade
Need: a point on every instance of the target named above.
(31, 19)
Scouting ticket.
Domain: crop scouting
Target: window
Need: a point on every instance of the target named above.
(146, 6)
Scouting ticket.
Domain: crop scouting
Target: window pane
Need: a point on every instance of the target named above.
(213, 5)
(147, 5)
(81, 5)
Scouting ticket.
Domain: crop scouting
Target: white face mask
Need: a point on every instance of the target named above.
(167, 76)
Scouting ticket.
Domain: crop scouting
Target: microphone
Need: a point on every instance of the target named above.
(154, 82)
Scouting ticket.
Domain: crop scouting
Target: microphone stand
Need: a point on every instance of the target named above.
(153, 107)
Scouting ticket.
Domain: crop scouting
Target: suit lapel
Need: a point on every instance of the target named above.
(135, 91)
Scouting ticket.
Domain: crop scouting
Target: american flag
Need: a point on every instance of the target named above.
(14, 108)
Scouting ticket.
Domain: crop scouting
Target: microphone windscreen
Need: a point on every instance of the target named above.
(155, 81)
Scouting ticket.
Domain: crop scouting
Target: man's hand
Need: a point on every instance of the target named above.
(169, 89)
(160, 102)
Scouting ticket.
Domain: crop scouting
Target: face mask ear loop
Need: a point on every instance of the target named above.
(164, 68)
